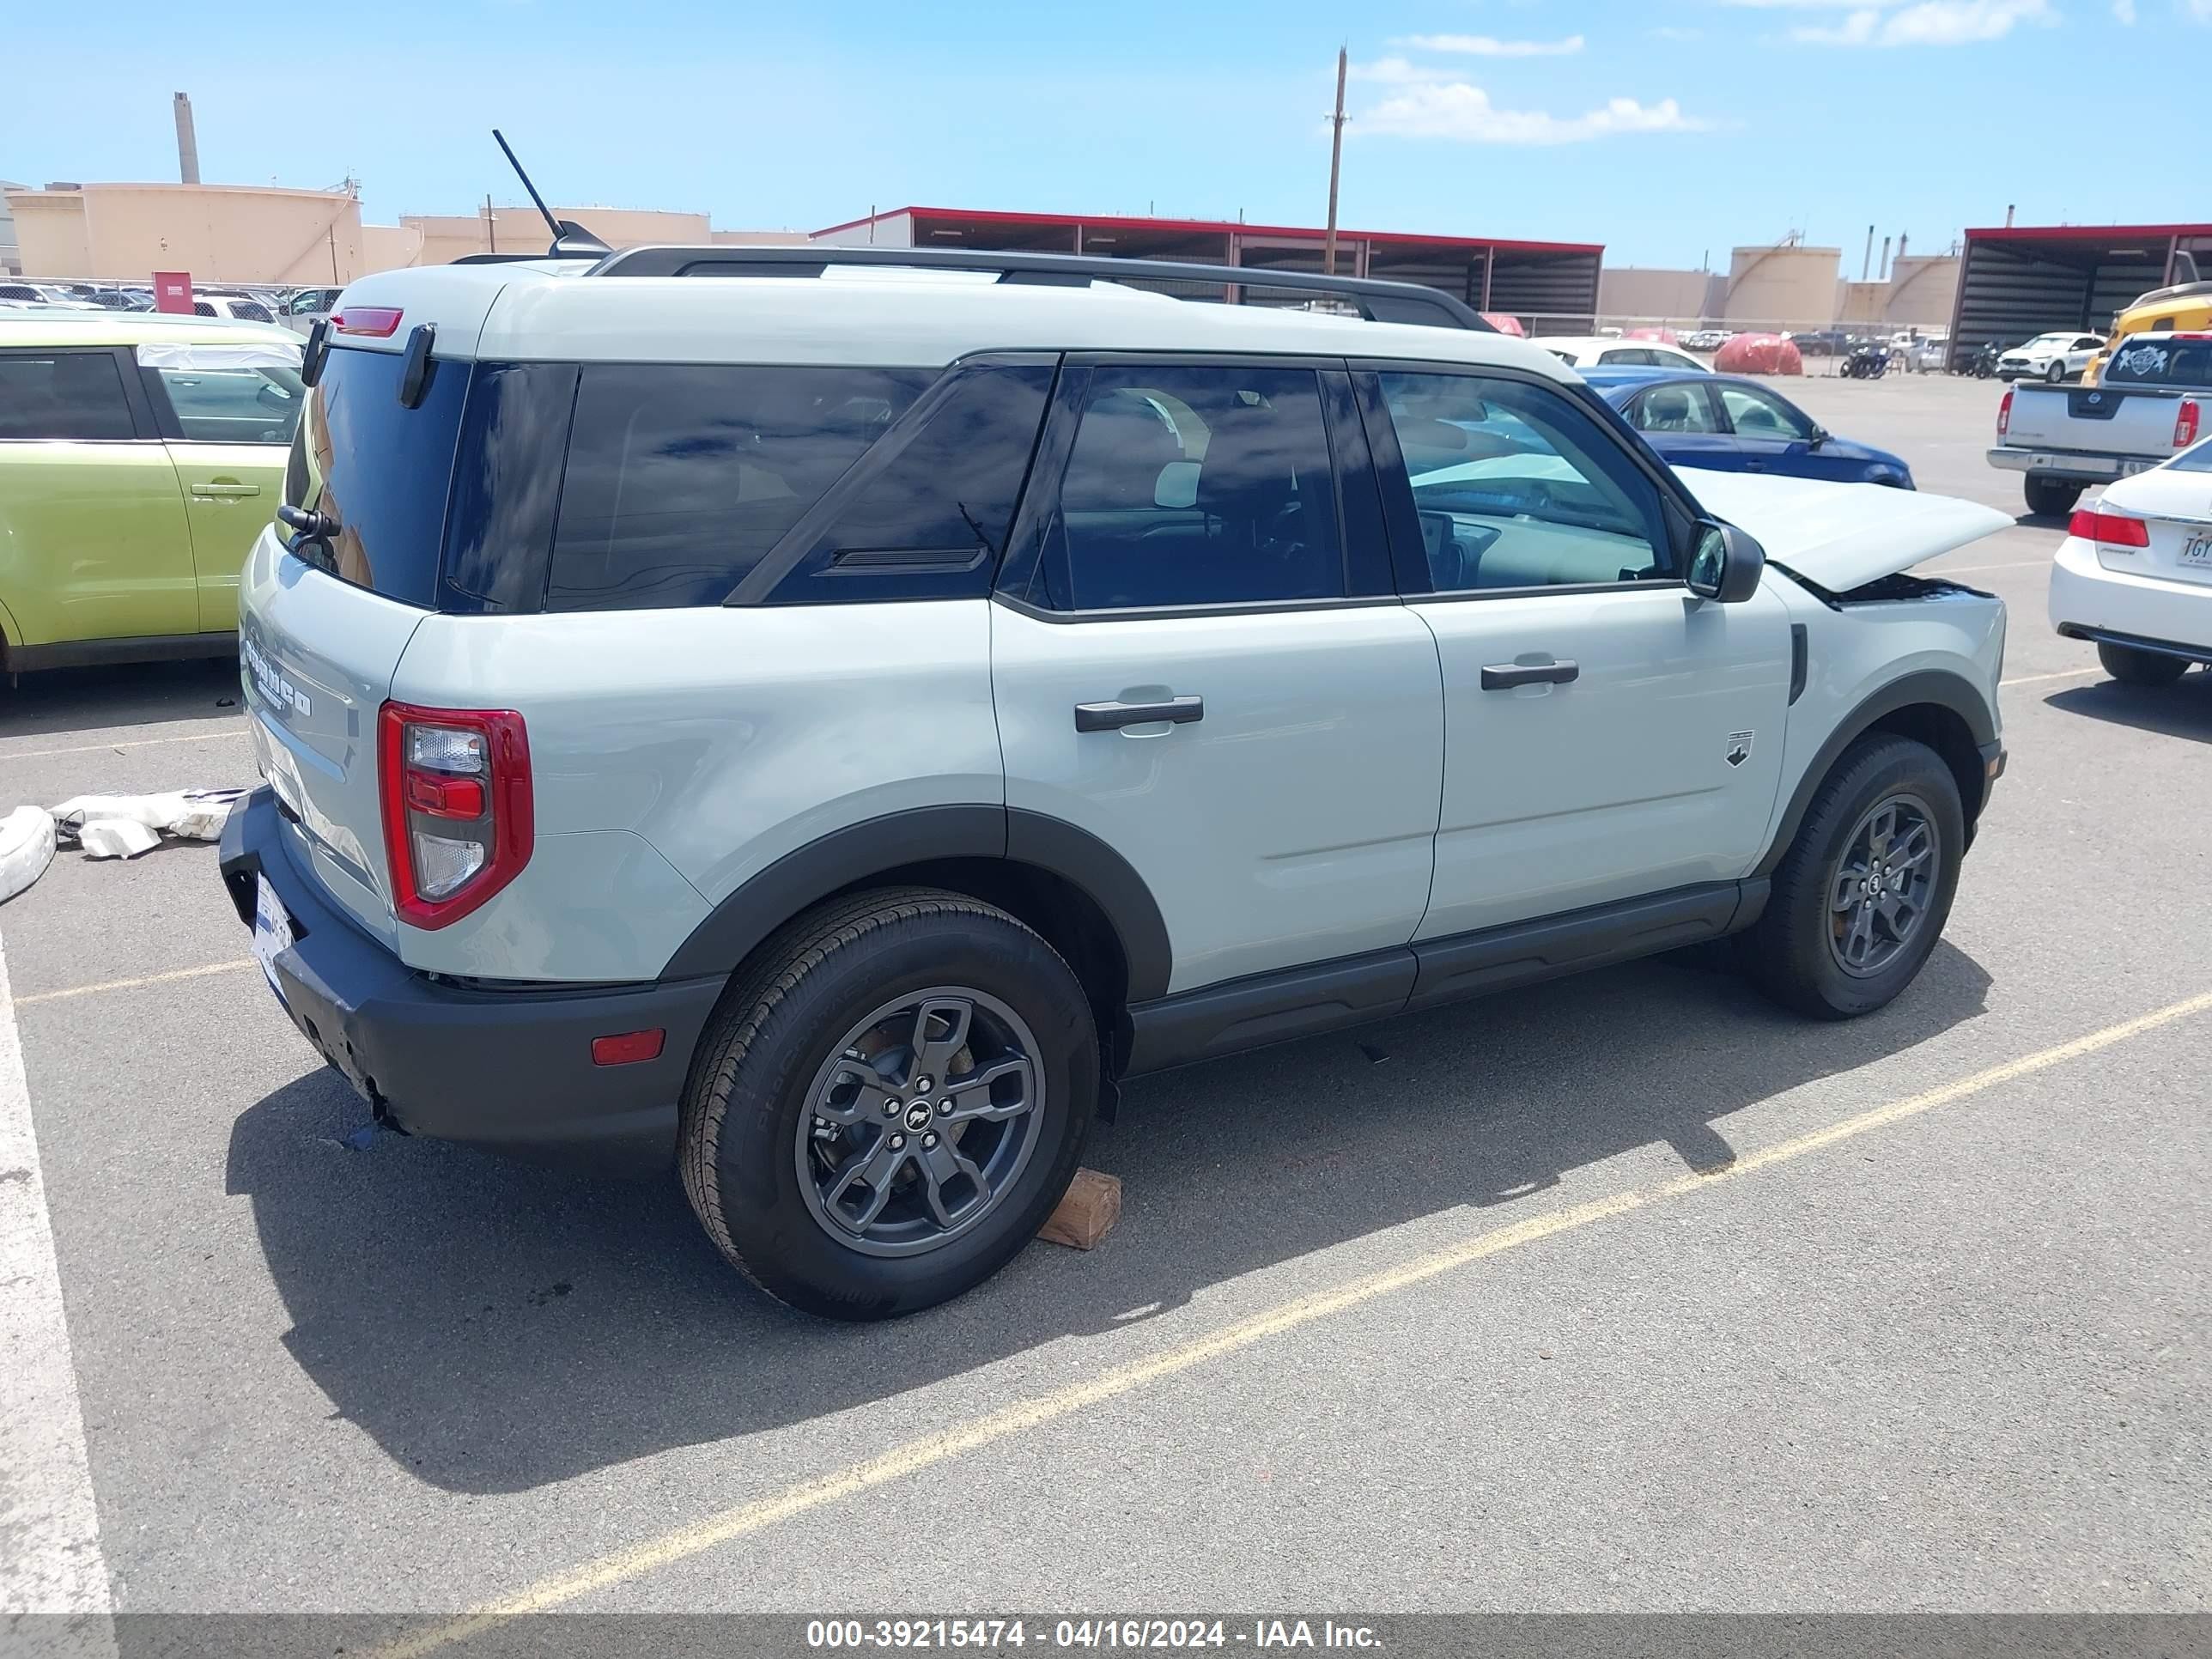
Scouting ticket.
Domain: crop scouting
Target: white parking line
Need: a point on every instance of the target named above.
(1969, 570)
(2064, 674)
(50, 1560)
(129, 743)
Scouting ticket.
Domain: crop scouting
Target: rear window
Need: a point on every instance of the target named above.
(381, 469)
(2166, 362)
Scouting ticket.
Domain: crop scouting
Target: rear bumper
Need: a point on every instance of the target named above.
(2078, 464)
(510, 1070)
(2089, 602)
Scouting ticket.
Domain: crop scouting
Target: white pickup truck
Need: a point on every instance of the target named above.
(2149, 405)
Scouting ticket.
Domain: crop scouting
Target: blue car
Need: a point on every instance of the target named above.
(1737, 425)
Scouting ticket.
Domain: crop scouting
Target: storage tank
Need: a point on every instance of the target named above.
(1787, 286)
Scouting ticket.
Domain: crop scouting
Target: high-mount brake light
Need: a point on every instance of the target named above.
(378, 322)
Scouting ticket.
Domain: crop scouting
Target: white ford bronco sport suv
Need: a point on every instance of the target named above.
(826, 727)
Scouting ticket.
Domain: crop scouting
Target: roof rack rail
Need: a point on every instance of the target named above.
(1375, 300)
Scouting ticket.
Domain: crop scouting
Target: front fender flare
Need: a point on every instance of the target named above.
(1934, 686)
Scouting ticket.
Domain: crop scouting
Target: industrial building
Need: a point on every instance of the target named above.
(2019, 281)
(1787, 285)
(1554, 282)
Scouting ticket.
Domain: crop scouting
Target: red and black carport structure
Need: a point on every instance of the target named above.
(1551, 286)
(2018, 281)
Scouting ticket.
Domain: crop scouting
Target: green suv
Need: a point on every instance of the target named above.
(139, 456)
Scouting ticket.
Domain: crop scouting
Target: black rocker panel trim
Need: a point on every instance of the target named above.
(1930, 686)
(1296, 1002)
(924, 835)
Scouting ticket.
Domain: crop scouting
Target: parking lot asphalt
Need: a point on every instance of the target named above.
(1628, 1291)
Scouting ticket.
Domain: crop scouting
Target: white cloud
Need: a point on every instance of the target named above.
(1397, 72)
(2200, 10)
(2124, 12)
(1930, 23)
(1484, 46)
(1464, 113)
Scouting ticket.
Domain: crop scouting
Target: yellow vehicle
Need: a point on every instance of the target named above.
(139, 456)
(2186, 307)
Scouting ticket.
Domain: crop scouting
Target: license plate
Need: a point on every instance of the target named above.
(2197, 551)
(272, 932)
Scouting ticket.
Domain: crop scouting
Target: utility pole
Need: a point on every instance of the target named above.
(1335, 164)
(491, 227)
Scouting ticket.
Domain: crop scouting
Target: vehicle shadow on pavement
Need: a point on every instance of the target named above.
(2182, 710)
(495, 1327)
(87, 702)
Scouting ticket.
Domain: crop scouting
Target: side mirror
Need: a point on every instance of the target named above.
(1819, 436)
(1725, 564)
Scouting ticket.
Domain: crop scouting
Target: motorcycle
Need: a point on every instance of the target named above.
(1983, 365)
(1867, 362)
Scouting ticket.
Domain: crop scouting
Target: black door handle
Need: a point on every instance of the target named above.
(1113, 716)
(1505, 676)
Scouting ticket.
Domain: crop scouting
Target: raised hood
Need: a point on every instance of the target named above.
(1843, 536)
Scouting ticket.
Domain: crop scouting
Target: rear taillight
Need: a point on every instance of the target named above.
(2109, 529)
(2005, 413)
(2184, 424)
(456, 788)
(378, 322)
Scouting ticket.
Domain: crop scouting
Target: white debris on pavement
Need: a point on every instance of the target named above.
(107, 826)
(26, 847)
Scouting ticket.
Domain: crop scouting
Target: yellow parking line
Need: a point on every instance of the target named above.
(2064, 674)
(133, 984)
(238, 730)
(1022, 1416)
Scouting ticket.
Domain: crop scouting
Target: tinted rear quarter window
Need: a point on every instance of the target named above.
(680, 478)
(64, 396)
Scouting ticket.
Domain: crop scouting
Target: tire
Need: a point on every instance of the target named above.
(1793, 954)
(2056, 374)
(2131, 665)
(775, 1055)
(2049, 498)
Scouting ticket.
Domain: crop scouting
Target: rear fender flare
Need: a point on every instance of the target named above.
(852, 856)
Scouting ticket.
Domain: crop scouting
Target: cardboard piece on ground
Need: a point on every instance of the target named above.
(1087, 1214)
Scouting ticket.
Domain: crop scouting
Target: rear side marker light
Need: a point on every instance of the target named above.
(2004, 412)
(458, 820)
(2108, 529)
(378, 322)
(2184, 424)
(628, 1047)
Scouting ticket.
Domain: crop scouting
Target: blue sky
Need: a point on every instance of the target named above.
(1662, 129)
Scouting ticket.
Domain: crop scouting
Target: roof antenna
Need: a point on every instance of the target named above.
(570, 239)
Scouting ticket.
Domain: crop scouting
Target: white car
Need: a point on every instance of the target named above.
(2052, 357)
(1609, 351)
(238, 307)
(2136, 573)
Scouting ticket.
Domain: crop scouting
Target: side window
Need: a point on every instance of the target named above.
(1196, 486)
(1755, 414)
(251, 311)
(234, 405)
(202, 308)
(1627, 357)
(1677, 360)
(679, 479)
(1518, 486)
(73, 396)
(930, 519)
(1674, 408)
